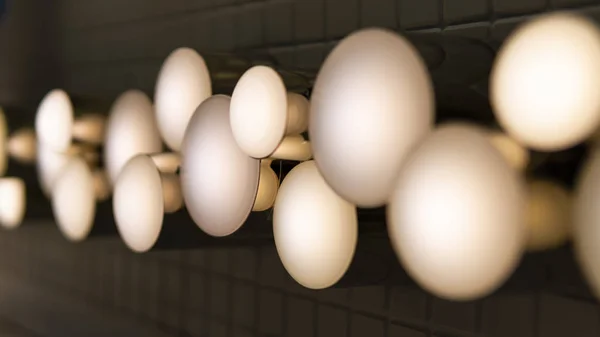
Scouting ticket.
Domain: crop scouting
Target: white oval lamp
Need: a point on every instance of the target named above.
(56, 125)
(131, 130)
(315, 230)
(146, 189)
(263, 112)
(548, 216)
(218, 179)
(74, 196)
(542, 85)
(456, 217)
(268, 186)
(50, 163)
(372, 102)
(183, 83)
(12, 202)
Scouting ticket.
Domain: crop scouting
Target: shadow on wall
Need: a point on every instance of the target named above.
(27, 57)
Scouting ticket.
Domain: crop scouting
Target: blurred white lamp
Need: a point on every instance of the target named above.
(586, 213)
(12, 202)
(372, 102)
(315, 230)
(268, 185)
(182, 84)
(263, 114)
(543, 83)
(19, 145)
(146, 189)
(56, 125)
(548, 217)
(456, 217)
(131, 130)
(220, 182)
(74, 196)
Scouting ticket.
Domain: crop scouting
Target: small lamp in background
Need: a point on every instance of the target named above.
(131, 130)
(56, 125)
(12, 202)
(20, 145)
(74, 196)
(183, 83)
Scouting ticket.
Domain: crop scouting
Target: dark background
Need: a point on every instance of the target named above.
(100, 48)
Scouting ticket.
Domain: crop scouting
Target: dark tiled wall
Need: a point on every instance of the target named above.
(103, 47)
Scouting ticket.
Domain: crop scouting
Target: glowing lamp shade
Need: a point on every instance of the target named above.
(12, 202)
(182, 84)
(138, 203)
(219, 181)
(3, 143)
(548, 215)
(456, 217)
(371, 103)
(74, 200)
(586, 230)
(131, 130)
(544, 79)
(262, 112)
(315, 230)
(54, 121)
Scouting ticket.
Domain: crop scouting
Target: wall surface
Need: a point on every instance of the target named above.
(99, 48)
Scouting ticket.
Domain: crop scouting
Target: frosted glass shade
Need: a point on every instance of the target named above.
(262, 112)
(371, 103)
(74, 200)
(138, 203)
(12, 202)
(182, 84)
(131, 130)
(456, 218)
(219, 181)
(54, 121)
(50, 165)
(543, 83)
(315, 230)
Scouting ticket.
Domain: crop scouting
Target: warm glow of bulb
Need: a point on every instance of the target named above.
(456, 217)
(131, 130)
(3, 143)
(138, 203)
(543, 84)
(315, 230)
(586, 229)
(516, 155)
(219, 181)
(183, 83)
(268, 185)
(54, 121)
(548, 215)
(12, 202)
(74, 200)
(22, 145)
(371, 103)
